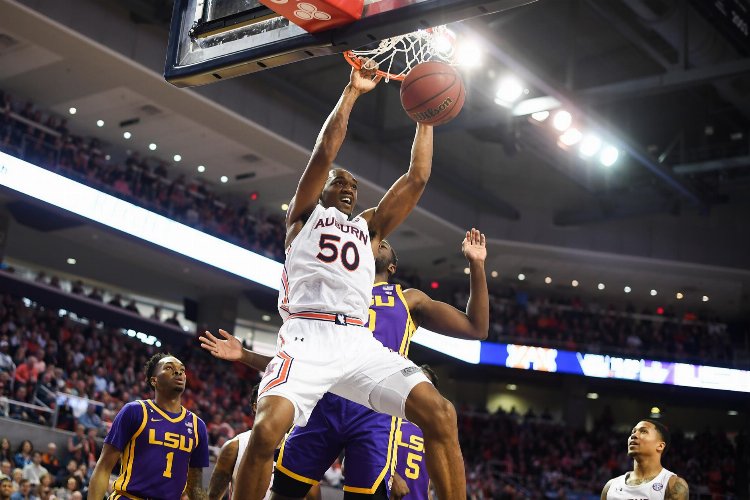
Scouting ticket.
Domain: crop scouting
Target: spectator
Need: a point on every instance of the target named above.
(71, 486)
(76, 444)
(334, 476)
(16, 476)
(27, 372)
(35, 470)
(50, 460)
(6, 488)
(6, 469)
(5, 449)
(116, 301)
(90, 420)
(173, 320)
(6, 362)
(23, 454)
(132, 307)
(64, 474)
(24, 491)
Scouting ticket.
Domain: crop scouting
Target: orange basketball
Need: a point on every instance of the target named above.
(432, 93)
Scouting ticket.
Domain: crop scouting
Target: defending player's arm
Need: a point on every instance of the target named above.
(677, 489)
(446, 319)
(222, 474)
(605, 490)
(231, 349)
(327, 146)
(403, 196)
(194, 488)
(100, 477)
(399, 488)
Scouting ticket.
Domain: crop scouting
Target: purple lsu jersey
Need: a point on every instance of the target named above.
(410, 461)
(158, 448)
(338, 424)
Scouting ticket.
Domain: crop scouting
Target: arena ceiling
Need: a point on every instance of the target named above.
(669, 215)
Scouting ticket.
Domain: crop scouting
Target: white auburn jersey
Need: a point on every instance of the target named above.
(242, 440)
(329, 267)
(653, 490)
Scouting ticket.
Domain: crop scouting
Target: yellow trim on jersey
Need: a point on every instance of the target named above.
(116, 495)
(380, 283)
(409, 328)
(286, 471)
(128, 454)
(195, 431)
(388, 460)
(163, 414)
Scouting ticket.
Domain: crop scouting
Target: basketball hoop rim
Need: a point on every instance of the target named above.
(356, 62)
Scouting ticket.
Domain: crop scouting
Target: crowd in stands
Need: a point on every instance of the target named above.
(574, 324)
(45, 140)
(511, 456)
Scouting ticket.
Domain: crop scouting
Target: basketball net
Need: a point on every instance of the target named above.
(396, 56)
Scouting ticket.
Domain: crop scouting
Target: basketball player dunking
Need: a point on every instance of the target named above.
(336, 424)
(326, 286)
(648, 480)
(161, 446)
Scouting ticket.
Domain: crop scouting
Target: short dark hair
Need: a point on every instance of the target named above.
(150, 366)
(430, 374)
(663, 431)
(5, 480)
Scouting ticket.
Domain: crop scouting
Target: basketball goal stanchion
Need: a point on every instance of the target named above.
(396, 56)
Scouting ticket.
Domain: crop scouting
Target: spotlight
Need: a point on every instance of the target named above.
(592, 395)
(201, 168)
(99, 123)
(224, 179)
(284, 207)
(609, 156)
(467, 270)
(562, 120)
(127, 135)
(540, 116)
(152, 146)
(72, 111)
(628, 289)
(509, 91)
(705, 298)
(71, 261)
(655, 410)
(600, 286)
(679, 296)
(548, 280)
(468, 54)
(732, 413)
(177, 158)
(574, 283)
(571, 136)
(493, 274)
(511, 387)
(590, 145)
(266, 317)
(653, 293)
(521, 277)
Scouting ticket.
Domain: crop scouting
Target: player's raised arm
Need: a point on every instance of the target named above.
(327, 146)
(446, 319)
(231, 349)
(100, 477)
(403, 196)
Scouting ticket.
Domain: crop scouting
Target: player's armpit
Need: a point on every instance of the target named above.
(677, 489)
(442, 318)
(194, 488)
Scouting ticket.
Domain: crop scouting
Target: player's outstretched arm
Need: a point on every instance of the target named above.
(446, 319)
(100, 477)
(328, 144)
(677, 489)
(403, 196)
(231, 349)
(222, 474)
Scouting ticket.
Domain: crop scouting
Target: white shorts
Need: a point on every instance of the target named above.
(315, 357)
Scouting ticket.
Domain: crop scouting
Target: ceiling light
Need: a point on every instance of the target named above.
(71, 261)
(540, 116)
(653, 293)
(521, 277)
(592, 395)
(628, 289)
(509, 91)
(201, 168)
(493, 274)
(600, 286)
(152, 146)
(705, 298)
(574, 283)
(224, 179)
(655, 410)
(284, 207)
(571, 136)
(511, 387)
(72, 111)
(732, 413)
(467, 270)
(609, 156)
(127, 135)
(679, 296)
(469, 54)
(177, 157)
(562, 120)
(107, 157)
(99, 123)
(266, 317)
(590, 145)
(548, 280)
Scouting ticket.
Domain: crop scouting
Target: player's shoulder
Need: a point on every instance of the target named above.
(677, 487)
(133, 407)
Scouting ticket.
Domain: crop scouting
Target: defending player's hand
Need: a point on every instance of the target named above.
(229, 349)
(399, 489)
(366, 78)
(474, 246)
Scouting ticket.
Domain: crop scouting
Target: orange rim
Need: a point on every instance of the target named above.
(356, 63)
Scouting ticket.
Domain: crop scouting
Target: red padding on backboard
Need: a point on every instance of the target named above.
(317, 15)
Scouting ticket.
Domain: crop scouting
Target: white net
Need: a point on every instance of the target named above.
(396, 56)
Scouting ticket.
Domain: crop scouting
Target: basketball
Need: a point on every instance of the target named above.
(432, 93)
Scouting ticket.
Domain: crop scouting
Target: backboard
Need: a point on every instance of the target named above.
(211, 40)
